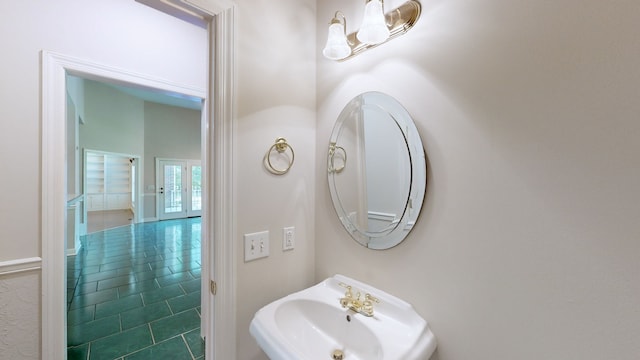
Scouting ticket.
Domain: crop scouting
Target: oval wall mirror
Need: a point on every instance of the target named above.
(377, 170)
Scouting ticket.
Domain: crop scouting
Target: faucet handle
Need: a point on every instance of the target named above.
(367, 305)
(369, 297)
(348, 293)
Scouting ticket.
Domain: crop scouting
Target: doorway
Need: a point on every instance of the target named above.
(219, 225)
(54, 194)
(147, 276)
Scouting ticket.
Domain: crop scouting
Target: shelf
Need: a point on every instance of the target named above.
(108, 184)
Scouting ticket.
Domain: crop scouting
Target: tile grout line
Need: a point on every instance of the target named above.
(188, 347)
(153, 338)
(166, 301)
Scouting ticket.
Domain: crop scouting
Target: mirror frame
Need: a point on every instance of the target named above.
(392, 235)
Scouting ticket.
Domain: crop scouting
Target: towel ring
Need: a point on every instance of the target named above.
(333, 148)
(280, 146)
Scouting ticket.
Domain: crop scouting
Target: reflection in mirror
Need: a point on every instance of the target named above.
(379, 193)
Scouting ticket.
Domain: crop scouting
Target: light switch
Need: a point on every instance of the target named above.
(256, 245)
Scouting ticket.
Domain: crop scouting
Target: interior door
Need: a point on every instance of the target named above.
(179, 189)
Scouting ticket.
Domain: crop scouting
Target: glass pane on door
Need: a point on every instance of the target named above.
(172, 188)
(196, 188)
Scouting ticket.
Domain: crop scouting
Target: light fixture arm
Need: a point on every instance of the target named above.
(335, 20)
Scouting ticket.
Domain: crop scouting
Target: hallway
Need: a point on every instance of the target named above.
(134, 293)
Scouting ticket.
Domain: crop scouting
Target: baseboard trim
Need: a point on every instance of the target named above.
(20, 265)
(74, 251)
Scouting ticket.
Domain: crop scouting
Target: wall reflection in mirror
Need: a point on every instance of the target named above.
(378, 194)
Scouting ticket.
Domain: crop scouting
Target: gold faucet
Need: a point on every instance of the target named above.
(364, 307)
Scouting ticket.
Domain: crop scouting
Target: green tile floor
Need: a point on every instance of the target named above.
(134, 293)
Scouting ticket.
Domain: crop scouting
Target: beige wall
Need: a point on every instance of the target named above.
(527, 245)
(275, 98)
(139, 37)
(113, 122)
(121, 123)
(169, 132)
(118, 33)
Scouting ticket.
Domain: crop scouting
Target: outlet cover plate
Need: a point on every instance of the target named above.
(288, 238)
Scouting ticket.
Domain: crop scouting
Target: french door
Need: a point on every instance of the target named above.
(179, 188)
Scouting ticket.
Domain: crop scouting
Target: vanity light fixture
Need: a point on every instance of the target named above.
(374, 28)
(377, 28)
(337, 44)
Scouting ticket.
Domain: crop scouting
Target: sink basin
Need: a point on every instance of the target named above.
(311, 324)
(318, 328)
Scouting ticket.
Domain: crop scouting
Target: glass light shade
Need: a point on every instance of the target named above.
(374, 28)
(337, 46)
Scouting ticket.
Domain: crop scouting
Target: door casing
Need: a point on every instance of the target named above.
(218, 213)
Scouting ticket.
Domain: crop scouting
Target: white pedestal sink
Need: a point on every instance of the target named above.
(311, 324)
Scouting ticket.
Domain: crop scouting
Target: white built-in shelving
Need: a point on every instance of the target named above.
(108, 182)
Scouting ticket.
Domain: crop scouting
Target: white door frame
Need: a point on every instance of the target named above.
(217, 159)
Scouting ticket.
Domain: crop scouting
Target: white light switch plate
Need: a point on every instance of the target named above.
(256, 245)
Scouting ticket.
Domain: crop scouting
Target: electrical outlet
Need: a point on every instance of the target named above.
(288, 238)
(256, 245)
